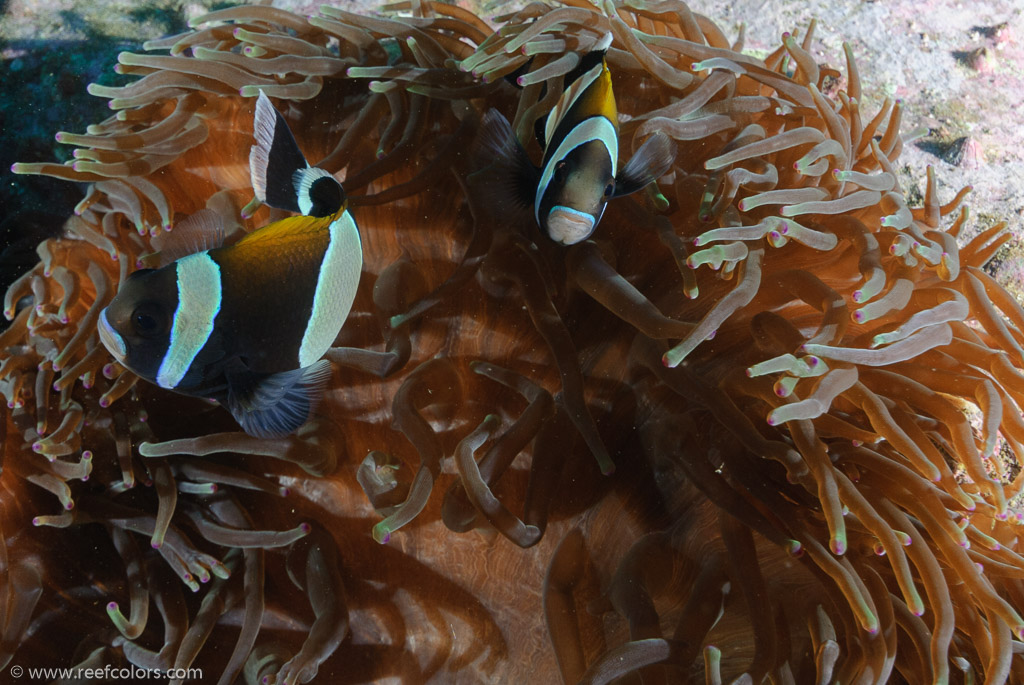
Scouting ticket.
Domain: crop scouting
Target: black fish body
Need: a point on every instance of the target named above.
(579, 171)
(247, 324)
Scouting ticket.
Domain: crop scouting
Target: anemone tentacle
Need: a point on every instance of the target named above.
(810, 389)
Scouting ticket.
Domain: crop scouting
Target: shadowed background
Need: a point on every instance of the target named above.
(963, 63)
(957, 67)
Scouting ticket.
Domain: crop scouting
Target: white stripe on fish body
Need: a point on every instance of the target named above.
(568, 98)
(595, 128)
(199, 300)
(111, 339)
(336, 287)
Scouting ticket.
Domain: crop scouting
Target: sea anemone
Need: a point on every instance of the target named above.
(810, 391)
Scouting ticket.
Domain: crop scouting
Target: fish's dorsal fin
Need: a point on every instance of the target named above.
(273, 406)
(275, 158)
(652, 160)
(200, 232)
(507, 179)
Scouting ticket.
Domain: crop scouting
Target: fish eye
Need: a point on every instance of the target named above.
(609, 189)
(561, 171)
(148, 320)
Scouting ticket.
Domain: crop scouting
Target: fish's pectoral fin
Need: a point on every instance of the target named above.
(275, 158)
(506, 179)
(652, 160)
(200, 232)
(275, 405)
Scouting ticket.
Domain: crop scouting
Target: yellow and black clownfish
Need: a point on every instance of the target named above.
(580, 139)
(247, 324)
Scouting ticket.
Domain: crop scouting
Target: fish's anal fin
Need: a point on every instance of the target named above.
(506, 178)
(652, 160)
(200, 232)
(273, 406)
(275, 158)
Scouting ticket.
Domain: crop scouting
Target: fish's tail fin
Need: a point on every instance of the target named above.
(505, 178)
(652, 160)
(281, 176)
(589, 60)
(275, 406)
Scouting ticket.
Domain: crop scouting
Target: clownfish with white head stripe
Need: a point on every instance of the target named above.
(578, 173)
(247, 324)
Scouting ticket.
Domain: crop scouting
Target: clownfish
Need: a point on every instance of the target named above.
(247, 324)
(578, 173)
